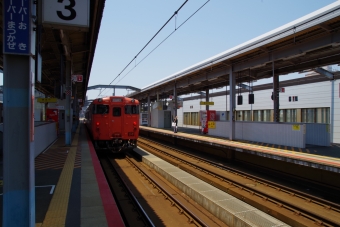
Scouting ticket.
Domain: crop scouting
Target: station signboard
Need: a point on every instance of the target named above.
(206, 103)
(77, 78)
(73, 13)
(47, 100)
(52, 115)
(211, 124)
(16, 27)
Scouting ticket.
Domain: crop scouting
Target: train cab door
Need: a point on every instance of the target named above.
(116, 123)
(100, 118)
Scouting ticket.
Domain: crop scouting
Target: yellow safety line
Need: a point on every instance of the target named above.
(57, 210)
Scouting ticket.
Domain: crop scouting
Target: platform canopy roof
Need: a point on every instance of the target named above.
(308, 42)
(60, 44)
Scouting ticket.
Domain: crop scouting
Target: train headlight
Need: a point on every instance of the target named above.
(97, 124)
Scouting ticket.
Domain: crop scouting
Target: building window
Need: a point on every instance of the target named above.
(191, 118)
(256, 116)
(239, 116)
(186, 119)
(291, 115)
(266, 115)
(308, 115)
(194, 119)
(246, 115)
(322, 115)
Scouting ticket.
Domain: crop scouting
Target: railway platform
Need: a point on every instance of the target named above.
(71, 189)
(318, 164)
(321, 154)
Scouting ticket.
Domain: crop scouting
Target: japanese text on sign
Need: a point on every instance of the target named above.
(296, 127)
(45, 100)
(206, 103)
(77, 78)
(68, 13)
(16, 38)
(211, 124)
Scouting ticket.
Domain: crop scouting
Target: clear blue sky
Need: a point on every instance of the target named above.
(221, 24)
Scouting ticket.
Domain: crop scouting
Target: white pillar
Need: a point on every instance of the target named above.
(232, 111)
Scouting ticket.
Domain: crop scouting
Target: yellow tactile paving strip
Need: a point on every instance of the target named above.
(57, 210)
(257, 147)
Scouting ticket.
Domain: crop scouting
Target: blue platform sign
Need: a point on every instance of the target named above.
(16, 27)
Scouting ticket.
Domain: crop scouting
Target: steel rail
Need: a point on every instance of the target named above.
(175, 202)
(310, 215)
(135, 201)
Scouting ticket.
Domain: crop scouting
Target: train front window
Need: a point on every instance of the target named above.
(101, 109)
(132, 109)
(117, 111)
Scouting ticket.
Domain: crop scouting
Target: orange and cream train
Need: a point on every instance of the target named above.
(113, 123)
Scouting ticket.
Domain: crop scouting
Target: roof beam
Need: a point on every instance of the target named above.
(325, 27)
(291, 52)
(66, 44)
(325, 73)
(113, 86)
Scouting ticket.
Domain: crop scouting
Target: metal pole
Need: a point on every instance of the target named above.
(276, 95)
(207, 98)
(232, 104)
(149, 111)
(68, 136)
(175, 97)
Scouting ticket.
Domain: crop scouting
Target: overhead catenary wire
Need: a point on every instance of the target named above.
(159, 43)
(175, 13)
(165, 39)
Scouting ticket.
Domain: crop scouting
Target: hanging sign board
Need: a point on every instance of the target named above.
(77, 78)
(207, 103)
(16, 27)
(66, 13)
(45, 100)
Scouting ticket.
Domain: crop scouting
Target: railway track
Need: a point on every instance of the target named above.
(290, 206)
(162, 206)
(133, 212)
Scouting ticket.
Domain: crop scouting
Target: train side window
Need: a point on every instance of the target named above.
(135, 109)
(102, 109)
(116, 111)
(128, 109)
(131, 109)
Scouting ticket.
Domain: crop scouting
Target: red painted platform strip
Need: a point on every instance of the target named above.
(113, 217)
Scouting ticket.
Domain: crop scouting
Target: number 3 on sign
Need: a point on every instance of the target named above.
(70, 8)
(66, 12)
